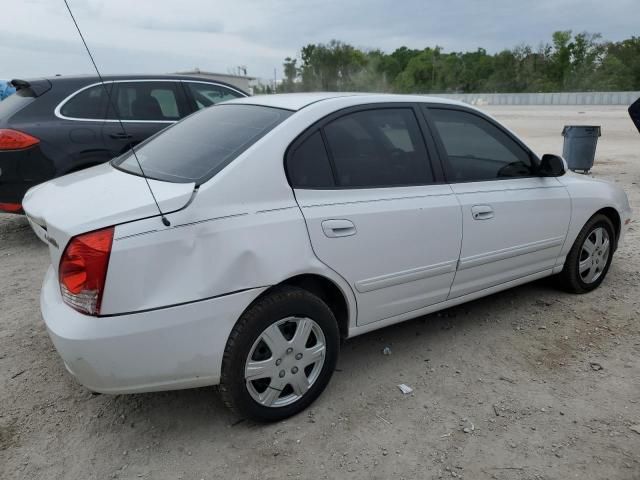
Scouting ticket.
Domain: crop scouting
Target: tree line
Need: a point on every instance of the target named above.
(570, 62)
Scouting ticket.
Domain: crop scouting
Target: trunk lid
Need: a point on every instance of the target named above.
(96, 198)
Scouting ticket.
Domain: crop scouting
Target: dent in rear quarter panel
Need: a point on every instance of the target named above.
(190, 262)
(159, 267)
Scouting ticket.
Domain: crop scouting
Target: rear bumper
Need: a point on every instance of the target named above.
(19, 171)
(166, 349)
(11, 195)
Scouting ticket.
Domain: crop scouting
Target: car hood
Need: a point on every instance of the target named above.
(95, 198)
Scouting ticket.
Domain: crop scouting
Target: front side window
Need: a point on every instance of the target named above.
(202, 144)
(145, 101)
(206, 94)
(90, 103)
(477, 150)
(378, 148)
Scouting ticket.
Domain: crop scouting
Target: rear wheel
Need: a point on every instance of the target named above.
(589, 259)
(280, 355)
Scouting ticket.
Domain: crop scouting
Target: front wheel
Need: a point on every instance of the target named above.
(280, 355)
(589, 259)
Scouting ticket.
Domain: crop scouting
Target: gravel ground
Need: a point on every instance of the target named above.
(531, 383)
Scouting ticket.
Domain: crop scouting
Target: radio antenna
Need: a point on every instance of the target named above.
(165, 220)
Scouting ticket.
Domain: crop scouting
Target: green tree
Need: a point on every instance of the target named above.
(331, 66)
(560, 60)
(569, 62)
(290, 74)
(626, 53)
(421, 72)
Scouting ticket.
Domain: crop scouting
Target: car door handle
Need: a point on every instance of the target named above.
(482, 212)
(338, 228)
(120, 136)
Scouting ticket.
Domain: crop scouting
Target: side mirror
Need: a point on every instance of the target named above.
(552, 166)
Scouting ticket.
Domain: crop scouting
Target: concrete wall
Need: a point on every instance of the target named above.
(569, 98)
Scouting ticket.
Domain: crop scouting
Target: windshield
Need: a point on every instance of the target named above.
(201, 145)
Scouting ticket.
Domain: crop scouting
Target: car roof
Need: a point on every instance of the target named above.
(86, 79)
(298, 101)
(132, 76)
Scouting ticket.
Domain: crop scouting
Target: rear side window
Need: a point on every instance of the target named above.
(90, 103)
(206, 94)
(378, 148)
(477, 150)
(145, 101)
(308, 165)
(201, 145)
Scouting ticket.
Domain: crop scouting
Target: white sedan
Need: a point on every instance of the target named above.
(290, 222)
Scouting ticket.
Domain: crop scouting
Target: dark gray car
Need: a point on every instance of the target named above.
(54, 126)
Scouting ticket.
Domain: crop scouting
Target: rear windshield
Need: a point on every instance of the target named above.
(201, 145)
(15, 102)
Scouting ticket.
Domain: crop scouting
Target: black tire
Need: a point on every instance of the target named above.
(569, 279)
(282, 303)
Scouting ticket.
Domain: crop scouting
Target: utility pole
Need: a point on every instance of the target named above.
(275, 82)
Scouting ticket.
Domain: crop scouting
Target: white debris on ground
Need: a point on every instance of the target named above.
(406, 389)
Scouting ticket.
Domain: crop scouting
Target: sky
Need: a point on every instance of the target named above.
(37, 37)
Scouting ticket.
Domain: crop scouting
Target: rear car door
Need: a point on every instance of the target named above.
(514, 221)
(144, 107)
(77, 128)
(376, 210)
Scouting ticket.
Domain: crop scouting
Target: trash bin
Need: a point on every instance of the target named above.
(580, 146)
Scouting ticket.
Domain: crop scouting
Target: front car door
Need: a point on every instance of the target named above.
(144, 107)
(376, 210)
(514, 221)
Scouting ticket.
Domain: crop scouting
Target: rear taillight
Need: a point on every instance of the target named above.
(83, 270)
(10, 207)
(15, 140)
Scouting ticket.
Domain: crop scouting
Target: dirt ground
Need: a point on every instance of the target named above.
(531, 383)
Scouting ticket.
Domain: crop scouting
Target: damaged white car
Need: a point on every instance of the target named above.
(286, 223)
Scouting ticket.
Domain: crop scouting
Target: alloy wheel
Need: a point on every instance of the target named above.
(285, 361)
(594, 255)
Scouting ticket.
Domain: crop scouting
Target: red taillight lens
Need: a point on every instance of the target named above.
(11, 207)
(83, 270)
(15, 140)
